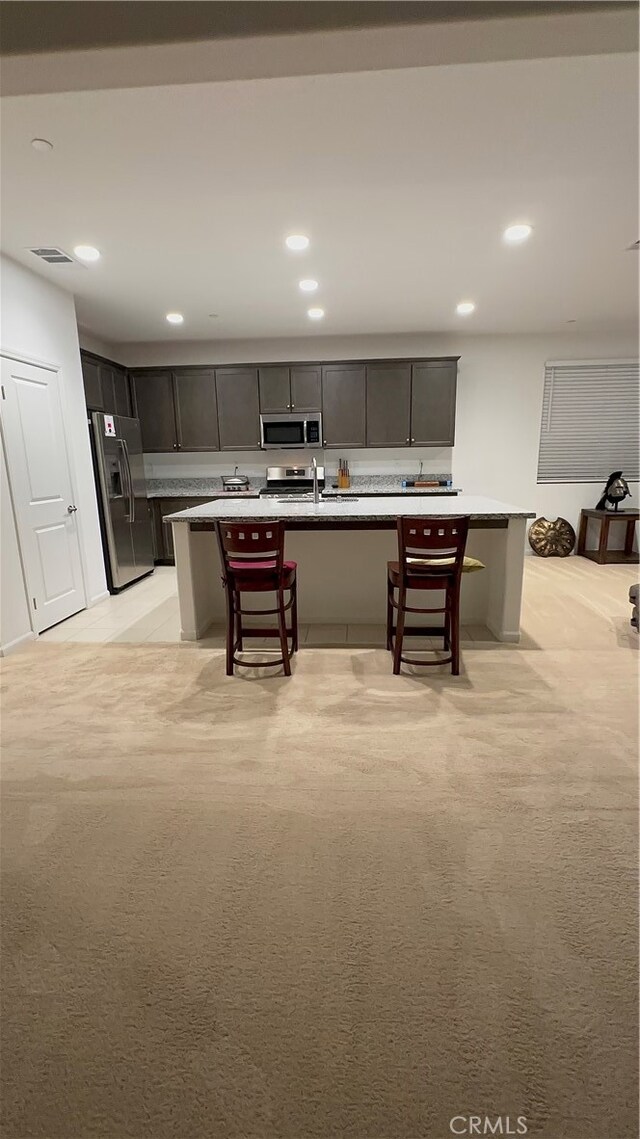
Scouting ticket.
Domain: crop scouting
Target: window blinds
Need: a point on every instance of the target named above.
(590, 415)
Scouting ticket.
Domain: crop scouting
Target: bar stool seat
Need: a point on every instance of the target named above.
(263, 575)
(252, 556)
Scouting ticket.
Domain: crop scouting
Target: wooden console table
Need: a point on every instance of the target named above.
(603, 555)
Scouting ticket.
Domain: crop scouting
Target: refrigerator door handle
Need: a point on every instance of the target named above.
(132, 501)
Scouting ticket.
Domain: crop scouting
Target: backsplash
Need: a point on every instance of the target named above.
(379, 461)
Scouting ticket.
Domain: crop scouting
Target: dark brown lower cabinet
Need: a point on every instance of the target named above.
(163, 531)
(388, 404)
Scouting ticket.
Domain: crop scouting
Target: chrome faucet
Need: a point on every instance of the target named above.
(316, 487)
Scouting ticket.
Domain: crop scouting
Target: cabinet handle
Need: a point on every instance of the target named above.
(292, 405)
(407, 440)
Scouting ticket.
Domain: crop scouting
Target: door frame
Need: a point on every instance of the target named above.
(22, 358)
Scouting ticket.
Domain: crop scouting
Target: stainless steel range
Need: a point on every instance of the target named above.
(283, 482)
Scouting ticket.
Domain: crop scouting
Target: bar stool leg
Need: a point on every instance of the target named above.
(238, 607)
(230, 629)
(282, 625)
(453, 603)
(389, 614)
(397, 651)
(294, 614)
(447, 622)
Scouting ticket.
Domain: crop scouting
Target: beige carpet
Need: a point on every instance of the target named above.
(340, 906)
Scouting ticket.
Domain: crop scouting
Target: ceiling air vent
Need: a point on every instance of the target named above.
(53, 256)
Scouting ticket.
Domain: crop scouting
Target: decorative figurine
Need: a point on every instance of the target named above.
(552, 539)
(616, 490)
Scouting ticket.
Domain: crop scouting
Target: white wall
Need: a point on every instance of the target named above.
(39, 324)
(500, 388)
(96, 344)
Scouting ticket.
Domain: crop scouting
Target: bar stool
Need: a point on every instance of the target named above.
(430, 556)
(252, 557)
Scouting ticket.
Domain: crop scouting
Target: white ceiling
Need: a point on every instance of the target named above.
(403, 180)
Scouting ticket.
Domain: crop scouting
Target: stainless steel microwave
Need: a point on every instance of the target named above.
(289, 431)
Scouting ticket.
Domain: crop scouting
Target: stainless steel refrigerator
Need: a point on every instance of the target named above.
(125, 514)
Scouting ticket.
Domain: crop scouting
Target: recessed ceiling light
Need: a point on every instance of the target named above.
(516, 233)
(175, 317)
(315, 313)
(297, 241)
(42, 144)
(308, 285)
(86, 252)
(465, 308)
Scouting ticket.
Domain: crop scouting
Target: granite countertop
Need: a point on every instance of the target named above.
(366, 485)
(366, 510)
(394, 491)
(194, 488)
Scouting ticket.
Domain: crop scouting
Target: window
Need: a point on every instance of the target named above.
(589, 421)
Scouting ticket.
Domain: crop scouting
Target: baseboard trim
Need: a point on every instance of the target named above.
(98, 598)
(16, 644)
(511, 638)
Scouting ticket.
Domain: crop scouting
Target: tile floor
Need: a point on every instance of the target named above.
(148, 611)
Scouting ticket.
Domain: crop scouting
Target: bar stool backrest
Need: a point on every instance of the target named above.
(251, 546)
(432, 546)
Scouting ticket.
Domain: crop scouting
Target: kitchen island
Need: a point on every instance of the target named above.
(342, 547)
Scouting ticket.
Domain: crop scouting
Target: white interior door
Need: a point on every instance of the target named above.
(41, 488)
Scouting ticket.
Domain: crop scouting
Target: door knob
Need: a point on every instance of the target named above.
(71, 509)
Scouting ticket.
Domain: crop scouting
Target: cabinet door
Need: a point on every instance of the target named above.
(343, 405)
(388, 404)
(121, 394)
(154, 407)
(196, 409)
(275, 391)
(164, 530)
(92, 385)
(108, 389)
(433, 403)
(238, 409)
(306, 389)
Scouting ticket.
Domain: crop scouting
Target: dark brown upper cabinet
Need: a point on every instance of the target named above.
(275, 389)
(433, 403)
(388, 404)
(155, 408)
(196, 408)
(238, 409)
(295, 388)
(115, 390)
(306, 388)
(92, 384)
(106, 386)
(344, 405)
